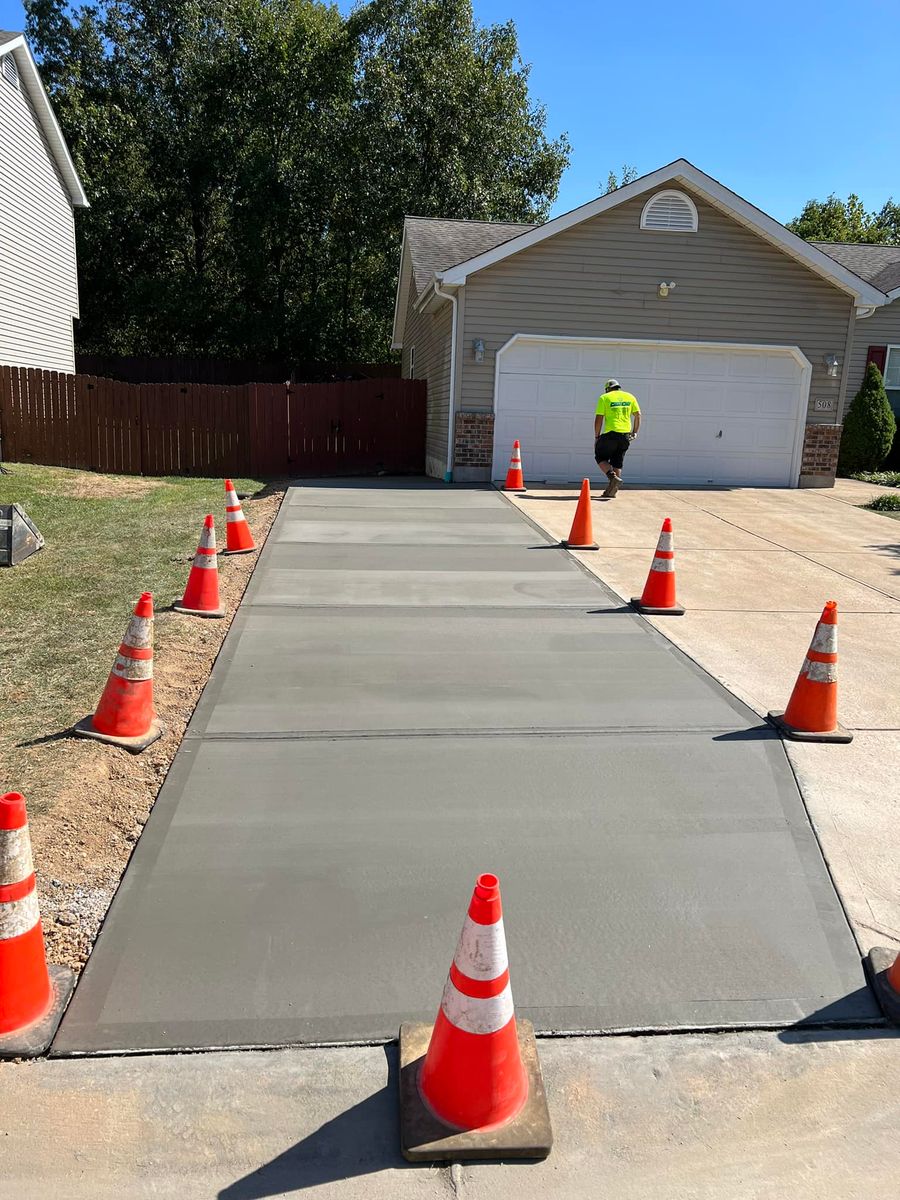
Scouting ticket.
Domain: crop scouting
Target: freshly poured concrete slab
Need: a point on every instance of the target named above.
(445, 669)
(501, 576)
(289, 891)
(438, 496)
(416, 529)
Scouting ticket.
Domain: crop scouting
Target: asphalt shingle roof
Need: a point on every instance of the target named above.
(878, 265)
(435, 244)
(7, 36)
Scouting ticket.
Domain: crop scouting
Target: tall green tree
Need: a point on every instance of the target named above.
(249, 162)
(836, 220)
(628, 174)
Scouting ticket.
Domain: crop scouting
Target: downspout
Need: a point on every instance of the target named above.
(452, 297)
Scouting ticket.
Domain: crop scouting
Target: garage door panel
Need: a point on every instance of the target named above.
(711, 415)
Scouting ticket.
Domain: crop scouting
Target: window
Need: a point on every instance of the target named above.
(412, 362)
(670, 212)
(892, 376)
(9, 69)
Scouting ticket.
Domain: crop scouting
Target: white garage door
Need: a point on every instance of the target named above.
(714, 414)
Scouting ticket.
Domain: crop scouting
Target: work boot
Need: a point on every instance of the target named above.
(612, 487)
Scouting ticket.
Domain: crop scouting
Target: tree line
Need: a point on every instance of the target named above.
(249, 162)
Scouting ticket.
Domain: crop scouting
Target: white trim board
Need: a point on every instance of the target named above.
(711, 190)
(30, 81)
(750, 347)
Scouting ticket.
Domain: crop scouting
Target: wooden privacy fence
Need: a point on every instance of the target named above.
(254, 429)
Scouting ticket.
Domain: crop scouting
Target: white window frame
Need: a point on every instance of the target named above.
(412, 362)
(887, 363)
(667, 192)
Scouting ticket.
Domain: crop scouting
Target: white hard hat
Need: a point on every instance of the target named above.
(612, 383)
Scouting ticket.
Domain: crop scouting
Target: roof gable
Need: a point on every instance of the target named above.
(30, 80)
(681, 172)
(436, 244)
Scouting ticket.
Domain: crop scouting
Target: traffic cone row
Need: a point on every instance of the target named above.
(32, 995)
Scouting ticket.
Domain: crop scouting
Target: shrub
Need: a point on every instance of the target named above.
(884, 504)
(869, 427)
(882, 478)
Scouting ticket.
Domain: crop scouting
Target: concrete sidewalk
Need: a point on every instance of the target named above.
(754, 568)
(742, 1116)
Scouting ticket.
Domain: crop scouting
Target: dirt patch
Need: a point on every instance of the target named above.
(98, 797)
(107, 487)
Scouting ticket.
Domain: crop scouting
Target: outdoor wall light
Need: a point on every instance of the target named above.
(664, 289)
(478, 349)
(832, 362)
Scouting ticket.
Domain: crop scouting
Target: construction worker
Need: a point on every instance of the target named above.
(616, 426)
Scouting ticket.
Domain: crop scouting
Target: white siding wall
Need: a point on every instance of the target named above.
(38, 275)
(430, 335)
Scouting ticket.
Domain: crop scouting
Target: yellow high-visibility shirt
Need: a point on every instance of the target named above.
(616, 408)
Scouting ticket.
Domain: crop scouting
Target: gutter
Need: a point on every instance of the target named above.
(452, 297)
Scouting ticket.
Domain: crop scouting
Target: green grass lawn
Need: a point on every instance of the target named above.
(64, 610)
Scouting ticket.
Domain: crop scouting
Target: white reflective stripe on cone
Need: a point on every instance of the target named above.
(817, 672)
(235, 516)
(206, 562)
(15, 855)
(825, 639)
(481, 953)
(18, 916)
(662, 564)
(139, 633)
(231, 499)
(208, 539)
(666, 542)
(476, 1015)
(134, 669)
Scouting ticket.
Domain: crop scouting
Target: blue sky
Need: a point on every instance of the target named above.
(779, 101)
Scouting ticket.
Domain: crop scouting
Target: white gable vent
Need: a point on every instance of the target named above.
(9, 69)
(671, 212)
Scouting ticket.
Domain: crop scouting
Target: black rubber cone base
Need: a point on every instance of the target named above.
(801, 735)
(878, 962)
(424, 1138)
(576, 546)
(178, 607)
(135, 745)
(35, 1039)
(246, 550)
(675, 611)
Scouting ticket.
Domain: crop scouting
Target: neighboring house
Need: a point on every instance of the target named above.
(738, 337)
(39, 190)
(878, 340)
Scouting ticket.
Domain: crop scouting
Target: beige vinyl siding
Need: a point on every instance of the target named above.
(38, 275)
(881, 329)
(430, 335)
(600, 279)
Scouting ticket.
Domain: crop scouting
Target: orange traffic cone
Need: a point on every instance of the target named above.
(238, 538)
(884, 972)
(201, 596)
(125, 715)
(811, 714)
(515, 481)
(581, 535)
(658, 596)
(32, 996)
(477, 1090)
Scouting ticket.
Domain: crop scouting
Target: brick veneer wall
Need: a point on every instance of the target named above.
(820, 453)
(474, 445)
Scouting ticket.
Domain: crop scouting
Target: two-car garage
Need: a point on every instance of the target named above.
(714, 413)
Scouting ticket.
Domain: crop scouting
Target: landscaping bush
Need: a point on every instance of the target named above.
(884, 504)
(869, 427)
(882, 478)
